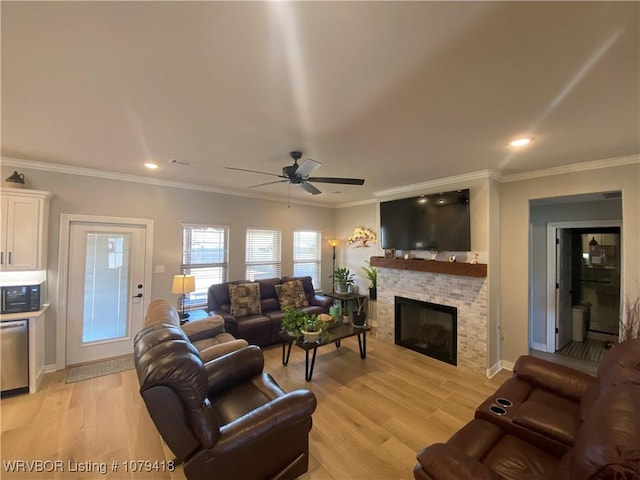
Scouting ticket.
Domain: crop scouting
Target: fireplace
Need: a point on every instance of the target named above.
(427, 328)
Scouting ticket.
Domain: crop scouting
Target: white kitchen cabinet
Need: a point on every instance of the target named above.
(23, 240)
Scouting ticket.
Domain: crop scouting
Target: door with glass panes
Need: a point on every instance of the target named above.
(105, 307)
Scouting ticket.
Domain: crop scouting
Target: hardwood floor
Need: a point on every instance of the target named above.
(373, 415)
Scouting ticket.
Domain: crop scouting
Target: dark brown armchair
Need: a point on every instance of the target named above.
(225, 419)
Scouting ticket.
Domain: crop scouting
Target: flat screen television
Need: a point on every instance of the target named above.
(430, 222)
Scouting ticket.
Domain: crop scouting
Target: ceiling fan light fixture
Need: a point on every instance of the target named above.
(151, 165)
(299, 175)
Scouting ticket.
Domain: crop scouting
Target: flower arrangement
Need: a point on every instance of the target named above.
(361, 235)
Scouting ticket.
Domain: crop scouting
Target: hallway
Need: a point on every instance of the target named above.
(583, 356)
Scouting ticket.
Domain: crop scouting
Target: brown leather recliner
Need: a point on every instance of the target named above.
(207, 335)
(225, 419)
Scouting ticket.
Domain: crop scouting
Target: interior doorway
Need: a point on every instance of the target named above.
(574, 270)
(584, 288)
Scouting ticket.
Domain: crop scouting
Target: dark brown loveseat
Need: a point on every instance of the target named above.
(558, 423)
(262, 328)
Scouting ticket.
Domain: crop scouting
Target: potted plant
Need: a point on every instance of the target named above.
(343, 279)
(293, 321)
(359, 316)
(372, 275)
(312, 328)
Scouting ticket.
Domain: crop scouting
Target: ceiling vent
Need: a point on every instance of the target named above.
(181, 163)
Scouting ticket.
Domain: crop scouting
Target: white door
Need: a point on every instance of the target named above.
(106, 281)
(563, 287)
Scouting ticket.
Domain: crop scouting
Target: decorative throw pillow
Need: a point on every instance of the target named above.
(291, 294)
(245, 299)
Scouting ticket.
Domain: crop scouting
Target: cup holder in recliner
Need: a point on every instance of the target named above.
(504, 402)
(497, 410)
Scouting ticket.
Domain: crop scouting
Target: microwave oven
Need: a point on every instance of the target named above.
(25, 298)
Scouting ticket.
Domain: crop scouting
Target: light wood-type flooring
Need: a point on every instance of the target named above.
(373, 416)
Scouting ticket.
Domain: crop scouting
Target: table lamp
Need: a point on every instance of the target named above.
(183, 285)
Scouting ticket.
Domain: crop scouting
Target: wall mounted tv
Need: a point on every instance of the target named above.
(430, 222)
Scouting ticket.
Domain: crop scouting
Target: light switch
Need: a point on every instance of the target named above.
(159, 268)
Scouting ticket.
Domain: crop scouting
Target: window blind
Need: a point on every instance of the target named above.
(205, 255)
(263, 253)
(307, 255)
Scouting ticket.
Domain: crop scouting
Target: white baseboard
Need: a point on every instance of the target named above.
(501, 364)
(507, 365)
(494, 369)
(50, 368)
(542, 347)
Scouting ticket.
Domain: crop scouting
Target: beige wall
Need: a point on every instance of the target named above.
(514, 237)
(349, 255)
(500, 232)
(169, 208)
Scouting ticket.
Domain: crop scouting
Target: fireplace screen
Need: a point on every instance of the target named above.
(427, 328)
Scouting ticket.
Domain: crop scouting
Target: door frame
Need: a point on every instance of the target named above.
(63, 270)
(552, 227)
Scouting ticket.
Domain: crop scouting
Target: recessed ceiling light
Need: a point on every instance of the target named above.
(521, 142)
(151, 165)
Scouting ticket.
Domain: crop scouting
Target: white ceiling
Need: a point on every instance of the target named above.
(396, 93)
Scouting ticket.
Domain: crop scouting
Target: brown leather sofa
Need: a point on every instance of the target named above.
(262, 329)
(207, 335)
(224, 419)
(550, 421)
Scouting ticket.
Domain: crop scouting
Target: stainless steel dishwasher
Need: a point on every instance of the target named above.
(14, 357)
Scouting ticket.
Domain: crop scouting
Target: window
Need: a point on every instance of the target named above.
(306, 255)
(262, 253)
(205, 255)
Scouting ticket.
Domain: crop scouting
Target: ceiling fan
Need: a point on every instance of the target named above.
(299, 175)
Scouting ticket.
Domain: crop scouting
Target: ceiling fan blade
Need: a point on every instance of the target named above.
(253, 171)
(268, 183)
(309, 188)
(307, 167)
(344, 181)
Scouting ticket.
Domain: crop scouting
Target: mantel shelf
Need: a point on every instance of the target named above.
(434, 266)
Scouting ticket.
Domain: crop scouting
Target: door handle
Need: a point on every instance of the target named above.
(9, 258)
(7, 327)
(137, 296)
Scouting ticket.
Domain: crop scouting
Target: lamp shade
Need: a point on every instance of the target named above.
(334, 243)
(183, 284)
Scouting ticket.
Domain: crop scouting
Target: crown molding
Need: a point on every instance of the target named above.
(405, 189)
(126, 177)
(440, 182)
(356, 204)
(573, 168)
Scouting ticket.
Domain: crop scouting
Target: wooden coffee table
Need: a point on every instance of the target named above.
(332, 335)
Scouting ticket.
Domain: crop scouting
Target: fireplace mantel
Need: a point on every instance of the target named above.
(434, 266)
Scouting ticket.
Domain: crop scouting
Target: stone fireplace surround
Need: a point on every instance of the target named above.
(467, 293)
